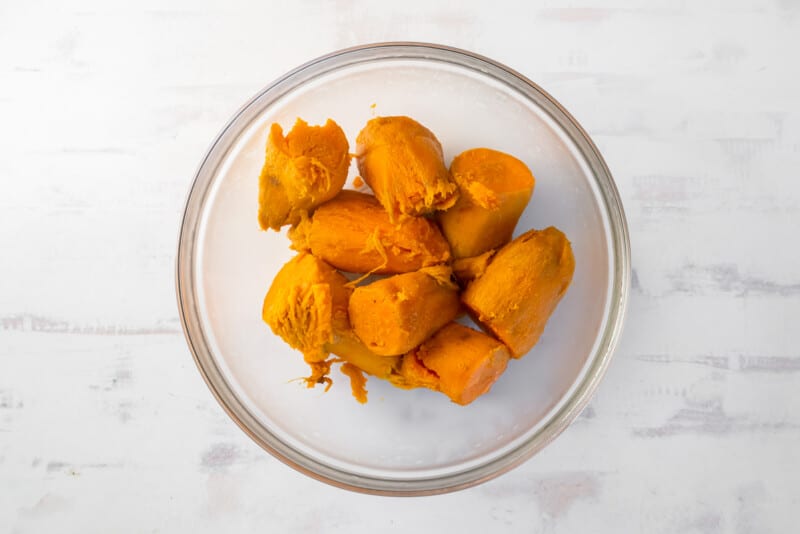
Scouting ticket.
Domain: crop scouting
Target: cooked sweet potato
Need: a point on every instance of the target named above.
(521, 287)
(495, 188)
(460, 362)
(411, 373)
(352, 232)
(348, 347)
(358, 381)
(306, 304)
(428, 227)
(394, 315)
(301, 171)
(468, 269)
(402, 162)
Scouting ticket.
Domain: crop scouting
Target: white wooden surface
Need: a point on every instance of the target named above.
(106, 109)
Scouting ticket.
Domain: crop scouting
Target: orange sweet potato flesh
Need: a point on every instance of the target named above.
(495, 188)
(402, 162)
(460, 362)
(468, 269)
(306, 304)
(348, 347)
(353, 232)
(411, 374)
(394, 315)
(301, 171)
(521, 287)
(357, 381)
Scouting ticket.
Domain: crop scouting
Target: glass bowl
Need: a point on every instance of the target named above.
(401, 442)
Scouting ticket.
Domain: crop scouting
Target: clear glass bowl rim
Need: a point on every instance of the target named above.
(187, 242)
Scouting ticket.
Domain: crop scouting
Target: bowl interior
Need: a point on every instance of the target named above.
(401, 435)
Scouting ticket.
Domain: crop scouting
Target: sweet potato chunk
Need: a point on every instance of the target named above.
(402, 162)
(394, 315)
(495, 188)
(460, 362)
(306, 304)
(301, 171)
(521, 287)
(348, 347)
(352, 232)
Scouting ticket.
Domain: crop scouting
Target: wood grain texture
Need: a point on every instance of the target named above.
(107, 108)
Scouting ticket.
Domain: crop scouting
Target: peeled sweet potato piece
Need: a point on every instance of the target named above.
(394, 315)
(353, 232)
(306, 304)
(521, 287)
(402, 162)
(348, 347)
(460, 362)
(466, 361)
(301, 171)
(495, 188)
